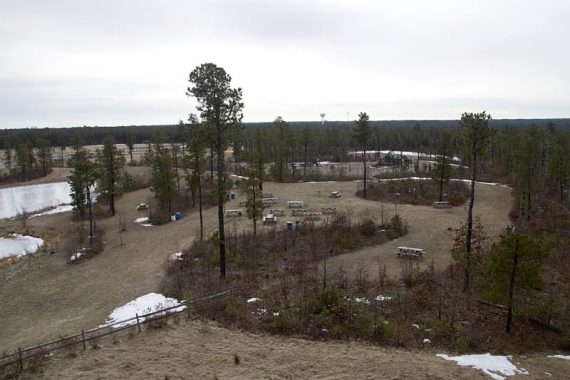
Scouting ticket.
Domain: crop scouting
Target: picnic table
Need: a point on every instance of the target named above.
(410, 252)
(442, 204)
(142, 206)
(234, 212)
(269, 219)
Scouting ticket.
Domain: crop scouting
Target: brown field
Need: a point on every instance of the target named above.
(201, 350)
(49, 297)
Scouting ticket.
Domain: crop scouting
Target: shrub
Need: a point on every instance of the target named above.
(381, 330)
(234, 309)
(442, 330)
(565, 339)
(397, 226)
(347, 243)
(159, 217)
(284, 323)
(367, 227)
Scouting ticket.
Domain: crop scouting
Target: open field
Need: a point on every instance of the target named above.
(50, 297)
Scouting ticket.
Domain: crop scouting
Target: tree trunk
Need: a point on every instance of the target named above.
(254, 205)
(305, 166)
(200, 209)
(512, 287)
(221, 200)
(442, 175)
(88, 191)
(470, 225)
(364, 164)
(111, 183)
(211, 163)
(528, 195)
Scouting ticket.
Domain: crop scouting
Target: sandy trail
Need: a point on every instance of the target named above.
(49, 297)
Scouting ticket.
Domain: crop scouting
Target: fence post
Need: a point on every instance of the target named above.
(83, 339)
(20, 359)
(138, 324)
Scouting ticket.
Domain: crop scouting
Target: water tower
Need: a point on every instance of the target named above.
(323, 118)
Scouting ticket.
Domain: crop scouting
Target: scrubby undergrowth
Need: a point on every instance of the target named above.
(415, 192)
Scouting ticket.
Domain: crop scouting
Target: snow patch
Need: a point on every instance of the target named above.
(143, 305)
(429, 179)
(143, 221)
(176, 256)
(563, 357)
(75, 256)
(380, 297)
(362, 300)
(19, 245)
(497, 366)
(57, 210)
(254, 299)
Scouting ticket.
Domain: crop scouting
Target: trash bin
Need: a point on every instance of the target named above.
(173, 217)
(178, 215)
(290, 226)
(232, 195)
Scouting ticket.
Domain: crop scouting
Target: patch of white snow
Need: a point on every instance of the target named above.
(143, 305)
(563, 357)
(19, 245)
(497, 366)
(56, 210)
(143, 221)
(176, 256)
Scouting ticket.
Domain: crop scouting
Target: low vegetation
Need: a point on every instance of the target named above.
(415, 192)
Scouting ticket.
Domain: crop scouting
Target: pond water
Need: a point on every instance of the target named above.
(16, 200)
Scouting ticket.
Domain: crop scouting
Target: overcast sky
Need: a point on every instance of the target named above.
(80, 62)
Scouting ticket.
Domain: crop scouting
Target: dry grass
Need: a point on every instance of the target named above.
(47, 297)
(203, 350)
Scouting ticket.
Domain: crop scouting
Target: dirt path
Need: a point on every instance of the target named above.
(432, 230)
(199, 350)
(49, 297)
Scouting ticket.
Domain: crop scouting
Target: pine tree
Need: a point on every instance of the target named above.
(361, 135)
(110, 161)
(221, 109)
(196, 163)
(442, 171)
(512, 270)
(131, 144)
(44, 155)
(162, 178)
(475, 128)
(254, 196)
(84, 174)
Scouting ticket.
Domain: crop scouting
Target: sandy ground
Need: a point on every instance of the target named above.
(199, 350)
(49, 297)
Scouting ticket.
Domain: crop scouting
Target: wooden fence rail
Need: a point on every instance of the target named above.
(18, 358)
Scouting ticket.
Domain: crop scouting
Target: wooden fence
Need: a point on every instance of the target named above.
(17, 361)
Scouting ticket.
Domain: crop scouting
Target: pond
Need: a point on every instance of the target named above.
(16, 200)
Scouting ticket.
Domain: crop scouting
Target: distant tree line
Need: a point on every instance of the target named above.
(400, 134)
